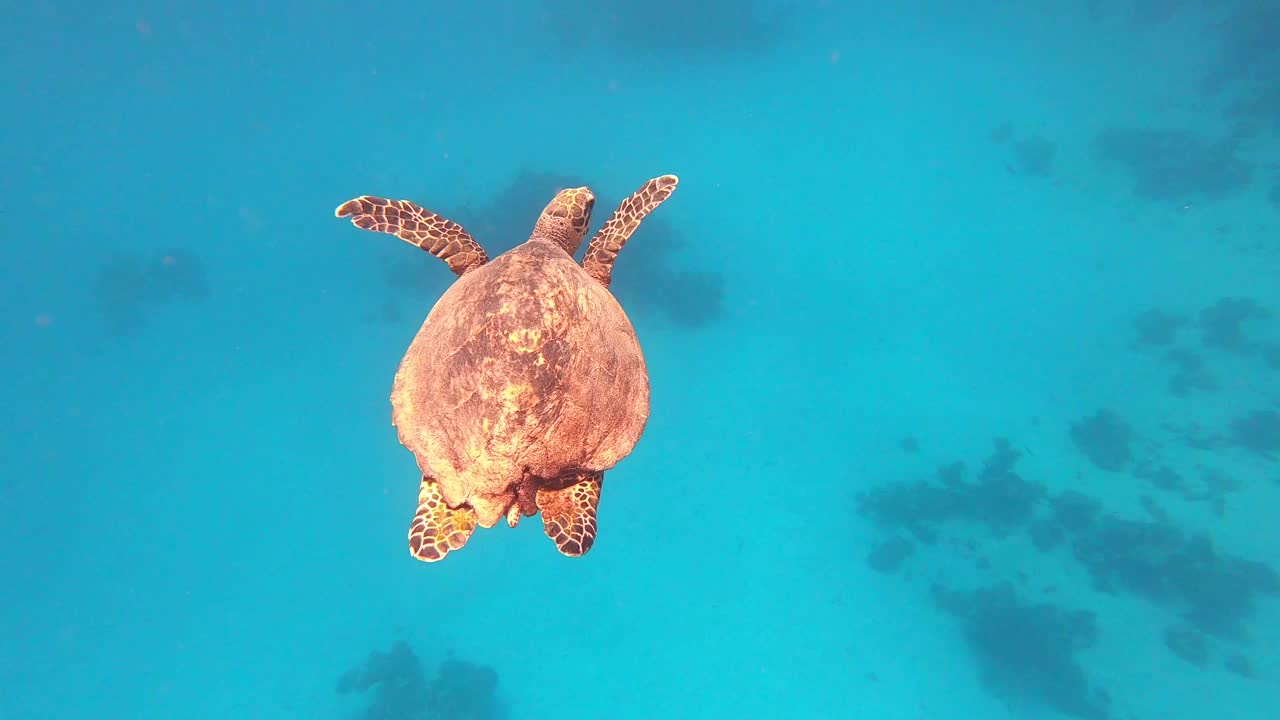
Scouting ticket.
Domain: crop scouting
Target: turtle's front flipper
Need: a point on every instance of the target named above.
(417, 226)
(603, 249)
(436, 529)
(569, 515)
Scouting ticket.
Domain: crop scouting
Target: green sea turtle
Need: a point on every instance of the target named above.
(526, 382)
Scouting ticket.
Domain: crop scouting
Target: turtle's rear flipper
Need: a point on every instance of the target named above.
(604, 247)
(417, 226)
(436, 529)
(569, 515)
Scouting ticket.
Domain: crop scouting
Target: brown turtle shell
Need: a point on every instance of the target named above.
(527, 371)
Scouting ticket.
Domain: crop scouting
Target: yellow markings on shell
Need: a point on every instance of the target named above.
(518, 397)
(525, 340)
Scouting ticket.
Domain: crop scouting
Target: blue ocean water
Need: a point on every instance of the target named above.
(961, 329)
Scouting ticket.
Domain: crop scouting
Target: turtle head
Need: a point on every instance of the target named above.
(566, 218)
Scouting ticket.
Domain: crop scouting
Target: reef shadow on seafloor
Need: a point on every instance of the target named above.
(1031, 155)
(397, 687)
(1029, 650)
(1176, 166)
(1243, 67)
(1247, 66)
(1225, 326)
(1222, 324)
(1231, 328)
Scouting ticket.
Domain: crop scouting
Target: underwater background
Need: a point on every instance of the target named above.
(961, 330)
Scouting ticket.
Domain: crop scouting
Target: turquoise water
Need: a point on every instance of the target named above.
(961, 333)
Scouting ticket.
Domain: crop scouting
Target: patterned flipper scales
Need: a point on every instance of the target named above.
(569, 515)
(603, 249)
(417, 226)
(438, 530)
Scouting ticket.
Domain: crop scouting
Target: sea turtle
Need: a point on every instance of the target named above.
(526, 382)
